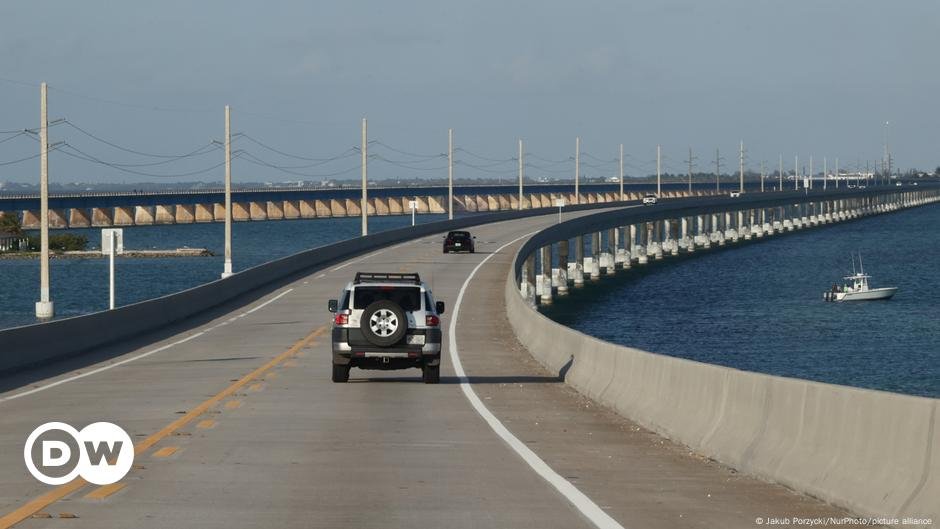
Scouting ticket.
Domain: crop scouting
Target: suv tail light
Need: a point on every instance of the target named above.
(431, 320)
(341, 319)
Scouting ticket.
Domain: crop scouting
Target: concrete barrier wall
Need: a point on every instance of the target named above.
(44, 342)
(872, 452)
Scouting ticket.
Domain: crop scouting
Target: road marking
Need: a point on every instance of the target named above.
(166, 451)
(104, 491)
(37, 504)
(578, 499)
(233, 404)
(205, 424)
(138, 357)
(256, 386)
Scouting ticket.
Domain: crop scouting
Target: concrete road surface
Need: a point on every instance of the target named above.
(236, 424)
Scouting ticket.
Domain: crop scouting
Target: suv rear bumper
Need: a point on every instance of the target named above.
(350, 348)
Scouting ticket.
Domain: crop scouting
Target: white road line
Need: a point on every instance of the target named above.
(142, 355)
(578, 499)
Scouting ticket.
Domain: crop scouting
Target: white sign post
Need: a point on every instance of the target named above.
(112, 243)
(560, 202)
(413, 204)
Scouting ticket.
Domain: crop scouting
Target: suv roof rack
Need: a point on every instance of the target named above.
(362, 277)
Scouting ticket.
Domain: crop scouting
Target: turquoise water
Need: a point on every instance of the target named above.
(80, 286)
(759, 307)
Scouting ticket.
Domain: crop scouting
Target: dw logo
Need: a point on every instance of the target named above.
(101, 453)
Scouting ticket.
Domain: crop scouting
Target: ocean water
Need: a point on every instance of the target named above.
(758, 307)
(80, 286)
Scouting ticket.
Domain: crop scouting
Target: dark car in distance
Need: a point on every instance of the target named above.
(458, 241)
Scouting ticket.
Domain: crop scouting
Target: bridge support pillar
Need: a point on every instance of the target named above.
(123, 216)
(577, 271)
(274, 210)
(546, 297)
(291, 209)
(143, 215)
(204, 213)
(684, 240)
(185, 214)
(78, 218)
(609, 257)
(100, 217)
(165, 214)
(642, 254)
(527, 285)
(595, 256)
(563, 268)
(621, 258)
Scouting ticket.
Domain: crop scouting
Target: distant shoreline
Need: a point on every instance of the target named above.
(96, 254)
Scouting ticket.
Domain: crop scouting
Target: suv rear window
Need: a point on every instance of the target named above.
(459, 234)
(408, 298)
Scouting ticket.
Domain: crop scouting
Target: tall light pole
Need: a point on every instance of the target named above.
(796, 172)
(811, 173)
(450, 174)
(762, 176)
(659, 172)
(44, 307)
(521, 173)
(227, 267)
(577, 170)
(780, 174)
(887, 151)
(825, 172)
(717, 171)
(690, 171)
(837, 173)
(364, 204)
(741, 167)
(621, 172)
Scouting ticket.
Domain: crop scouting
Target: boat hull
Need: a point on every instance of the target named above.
(868, 295)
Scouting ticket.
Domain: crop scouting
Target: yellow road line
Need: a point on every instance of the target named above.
(256, 386)
(103, 492)
(166, 451)
(205, 424)
(233, 404)
(40, 502)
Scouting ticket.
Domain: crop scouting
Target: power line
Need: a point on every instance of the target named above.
(127, 149)
(485, 158)
(345, 154)
(407, 153)
(251, 158)
(81, 155)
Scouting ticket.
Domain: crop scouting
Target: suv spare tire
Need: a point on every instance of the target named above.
(383, 323)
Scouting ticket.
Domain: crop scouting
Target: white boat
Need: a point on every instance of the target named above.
(856, 288)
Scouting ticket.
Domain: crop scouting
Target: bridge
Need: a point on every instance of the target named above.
(225, 391)
(107, 209)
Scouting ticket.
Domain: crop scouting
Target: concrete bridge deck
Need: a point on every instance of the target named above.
(237, 424)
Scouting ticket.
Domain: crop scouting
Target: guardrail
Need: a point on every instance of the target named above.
(41, 343)
(873, 452)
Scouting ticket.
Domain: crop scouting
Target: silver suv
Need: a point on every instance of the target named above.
(387, 321)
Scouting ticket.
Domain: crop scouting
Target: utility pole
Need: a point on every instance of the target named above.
(811, 171)
(741, 167)
(44, 307)
(450, 174)
(887, 161)
(837, 173)
(717, 171)
(762, 176)
(825, 172)
(521, 173)
(577, 169)
(659, 173)
(621, 172)
(780, 174)
(796, 172)
(227, 267)
(364, 205)
(690, 171)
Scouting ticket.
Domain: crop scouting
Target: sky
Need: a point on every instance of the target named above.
(797, 78)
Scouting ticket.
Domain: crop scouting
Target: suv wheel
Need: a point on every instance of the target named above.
(431, 374)
(340, 373)
(383, 323)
